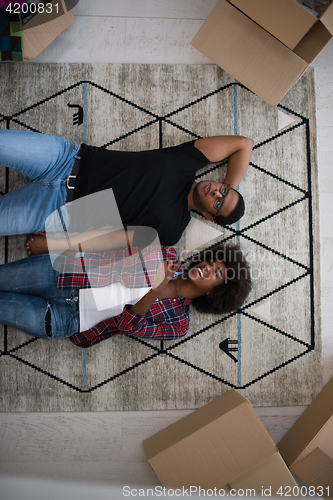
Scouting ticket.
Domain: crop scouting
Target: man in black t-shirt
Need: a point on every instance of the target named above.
(157, 188)
(151, 188)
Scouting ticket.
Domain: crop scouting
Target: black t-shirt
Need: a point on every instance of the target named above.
(150, 187)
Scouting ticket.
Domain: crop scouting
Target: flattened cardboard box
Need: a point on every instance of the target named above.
(221, 445)
(265, 44)
(313, 429)
(43, 28)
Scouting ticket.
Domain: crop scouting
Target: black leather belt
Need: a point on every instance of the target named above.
(71, 179)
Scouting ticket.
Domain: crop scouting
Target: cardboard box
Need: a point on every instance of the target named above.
(313, 429)
(316, 469)
(43, 28)
(265, 44)
(222, 445)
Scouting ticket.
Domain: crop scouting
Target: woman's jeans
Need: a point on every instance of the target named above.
(28, 290)
(45, 161)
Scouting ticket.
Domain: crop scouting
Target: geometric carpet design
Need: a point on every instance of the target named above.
(270, 349)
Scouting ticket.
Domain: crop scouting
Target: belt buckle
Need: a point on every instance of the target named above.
(68, 178)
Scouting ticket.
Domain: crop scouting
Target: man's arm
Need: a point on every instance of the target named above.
(236, 148)
(89, 241)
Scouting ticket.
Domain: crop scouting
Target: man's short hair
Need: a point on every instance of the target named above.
(234, 216)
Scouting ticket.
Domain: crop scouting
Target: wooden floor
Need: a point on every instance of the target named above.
(108, 446)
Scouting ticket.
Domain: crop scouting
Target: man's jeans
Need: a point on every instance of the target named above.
(28, 290)
(45, 161)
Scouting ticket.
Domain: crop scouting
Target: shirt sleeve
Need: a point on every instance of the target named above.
(128, 323)
(94, 335)
(190, 148)
(140, 326)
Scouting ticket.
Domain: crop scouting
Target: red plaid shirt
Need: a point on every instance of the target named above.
(166, 319)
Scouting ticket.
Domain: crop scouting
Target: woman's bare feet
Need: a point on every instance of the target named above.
(36, 244)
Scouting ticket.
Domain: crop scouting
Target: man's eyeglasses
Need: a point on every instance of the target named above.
(218, 203)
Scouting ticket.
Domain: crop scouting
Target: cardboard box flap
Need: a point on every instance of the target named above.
(270, 474)
(43, 28)
(248, 53)
(327, 18)
(316, 468)
(192, 423)
(45, 17)
(218, 452)
(285, 19)
(184, 465)
(323, 440)
(313, 42)
(309, 424)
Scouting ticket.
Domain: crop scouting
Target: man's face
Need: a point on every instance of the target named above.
(205, 195)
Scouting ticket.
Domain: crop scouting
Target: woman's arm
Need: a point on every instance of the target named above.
(133, 325)
(165, 273)
(132, 321)
(139, 326)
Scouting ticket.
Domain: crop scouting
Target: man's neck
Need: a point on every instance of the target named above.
(190, 200)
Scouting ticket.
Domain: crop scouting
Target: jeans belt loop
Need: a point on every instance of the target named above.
(71, 178)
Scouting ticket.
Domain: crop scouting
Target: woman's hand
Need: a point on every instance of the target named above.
(165, 273)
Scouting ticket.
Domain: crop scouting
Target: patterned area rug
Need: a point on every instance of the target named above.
(270, 351)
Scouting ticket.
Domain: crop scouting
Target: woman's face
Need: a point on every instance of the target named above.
(207, 275)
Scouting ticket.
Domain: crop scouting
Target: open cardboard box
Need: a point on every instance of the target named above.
(43, 28)
(265, 44)
(222, 445)
(316, 469)
(307, 448)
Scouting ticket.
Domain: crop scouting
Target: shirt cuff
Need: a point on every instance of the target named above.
(129, 320)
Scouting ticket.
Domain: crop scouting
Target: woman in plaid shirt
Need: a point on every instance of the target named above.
(46, 303)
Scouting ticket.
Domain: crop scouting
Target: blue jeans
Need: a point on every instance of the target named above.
(45, 161)
(28, 290)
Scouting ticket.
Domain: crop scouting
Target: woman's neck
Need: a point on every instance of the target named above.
(180, 287)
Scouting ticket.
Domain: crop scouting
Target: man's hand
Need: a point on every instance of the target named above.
(236, 148)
